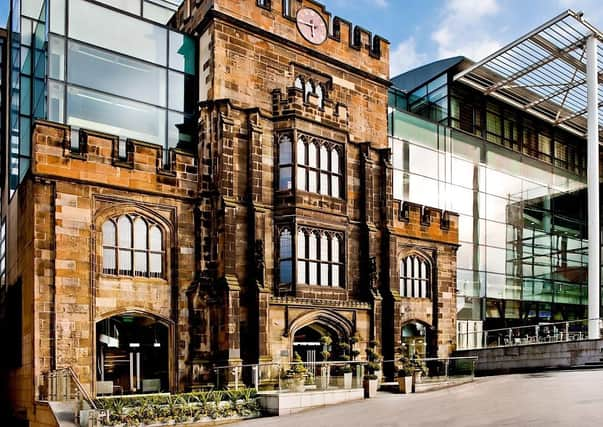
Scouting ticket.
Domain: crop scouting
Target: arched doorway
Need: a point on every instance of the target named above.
(132, 355)
(309, 344)
(416, 339)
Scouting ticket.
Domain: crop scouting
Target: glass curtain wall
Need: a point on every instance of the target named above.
(118, 74)
(110, 69)
(522, 222)
(27, 81)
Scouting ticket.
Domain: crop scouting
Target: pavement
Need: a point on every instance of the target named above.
(554, 398)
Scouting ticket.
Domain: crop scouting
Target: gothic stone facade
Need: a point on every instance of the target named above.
(291, 186)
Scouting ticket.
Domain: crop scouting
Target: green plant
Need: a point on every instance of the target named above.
(374, 358)
(409, 366)
(296, 370)
(326, 340)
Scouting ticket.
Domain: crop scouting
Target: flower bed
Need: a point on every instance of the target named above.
(177, 409)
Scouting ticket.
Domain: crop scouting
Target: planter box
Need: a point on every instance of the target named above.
(405, 384)
(370, 388)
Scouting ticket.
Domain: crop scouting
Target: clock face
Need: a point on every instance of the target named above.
(311, 25)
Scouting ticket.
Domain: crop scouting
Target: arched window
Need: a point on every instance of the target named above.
(109, 248)
(312, 170)
(415, 277)
(124, 239)
(132, 247)
(298, 83)
(320, 95)
(285, 163)
(309, 90)
(285, 257)
(301, 160)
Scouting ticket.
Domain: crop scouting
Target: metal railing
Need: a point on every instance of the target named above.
(436, 369)
(292, 376)
(549, 332)
(62, 385)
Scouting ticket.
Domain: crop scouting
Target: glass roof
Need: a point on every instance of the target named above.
(543, 72)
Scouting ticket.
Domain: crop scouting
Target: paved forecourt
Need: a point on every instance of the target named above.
(560, 398)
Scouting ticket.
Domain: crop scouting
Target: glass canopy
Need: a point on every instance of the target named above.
(543, 72)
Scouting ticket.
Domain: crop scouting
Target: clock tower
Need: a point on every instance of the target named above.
(295, 209)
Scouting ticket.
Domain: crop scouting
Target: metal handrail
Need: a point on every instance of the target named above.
(520, 335)
(50, 380)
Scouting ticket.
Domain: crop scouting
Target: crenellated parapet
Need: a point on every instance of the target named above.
(424, 222)
(96, 158)
(309, 106)
(346, 43)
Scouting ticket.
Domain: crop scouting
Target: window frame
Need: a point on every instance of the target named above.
(319, 260)
(131, 250)
(415, 282)
(315, 167)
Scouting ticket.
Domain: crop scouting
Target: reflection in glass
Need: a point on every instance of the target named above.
(140, 234)
(116, 74)
(115, 31)
(155, 239)
(124, 232)
(116, 116)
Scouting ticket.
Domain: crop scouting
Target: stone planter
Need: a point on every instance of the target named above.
(370, 387)
(405, 384)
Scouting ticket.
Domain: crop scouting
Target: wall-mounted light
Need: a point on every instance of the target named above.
(134, 344)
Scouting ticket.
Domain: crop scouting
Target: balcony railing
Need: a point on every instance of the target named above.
(575, 330)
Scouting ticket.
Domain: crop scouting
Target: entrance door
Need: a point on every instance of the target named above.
(132, 355)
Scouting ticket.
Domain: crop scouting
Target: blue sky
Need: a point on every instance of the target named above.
(421, 31)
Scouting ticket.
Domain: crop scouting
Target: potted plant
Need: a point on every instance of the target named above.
(344, 373)
(373, 369)
(373, 356)
(405, 374)
(295, 376)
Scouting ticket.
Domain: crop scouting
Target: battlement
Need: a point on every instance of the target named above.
(419, 221)
(103, 159)
(346, 43)
(295, 102)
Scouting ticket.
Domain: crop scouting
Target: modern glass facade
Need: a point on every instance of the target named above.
(105, 67)
(520, 190)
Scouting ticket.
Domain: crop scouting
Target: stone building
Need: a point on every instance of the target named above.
(143, 266)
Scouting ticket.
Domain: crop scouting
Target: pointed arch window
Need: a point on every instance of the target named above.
(319, 94)
(285, 265)
(309, 90)
(285, 163)
(132, 246)
(299, 84)
(415, 280)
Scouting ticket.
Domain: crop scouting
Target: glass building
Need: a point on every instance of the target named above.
(518, 183)
(110, 66)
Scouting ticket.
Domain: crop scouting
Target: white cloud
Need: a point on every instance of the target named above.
(467, 29)
(381, 3)
(405, 57)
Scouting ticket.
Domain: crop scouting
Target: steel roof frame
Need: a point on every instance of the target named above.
(543, 72)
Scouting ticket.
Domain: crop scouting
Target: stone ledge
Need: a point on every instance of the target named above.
(290, 403)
